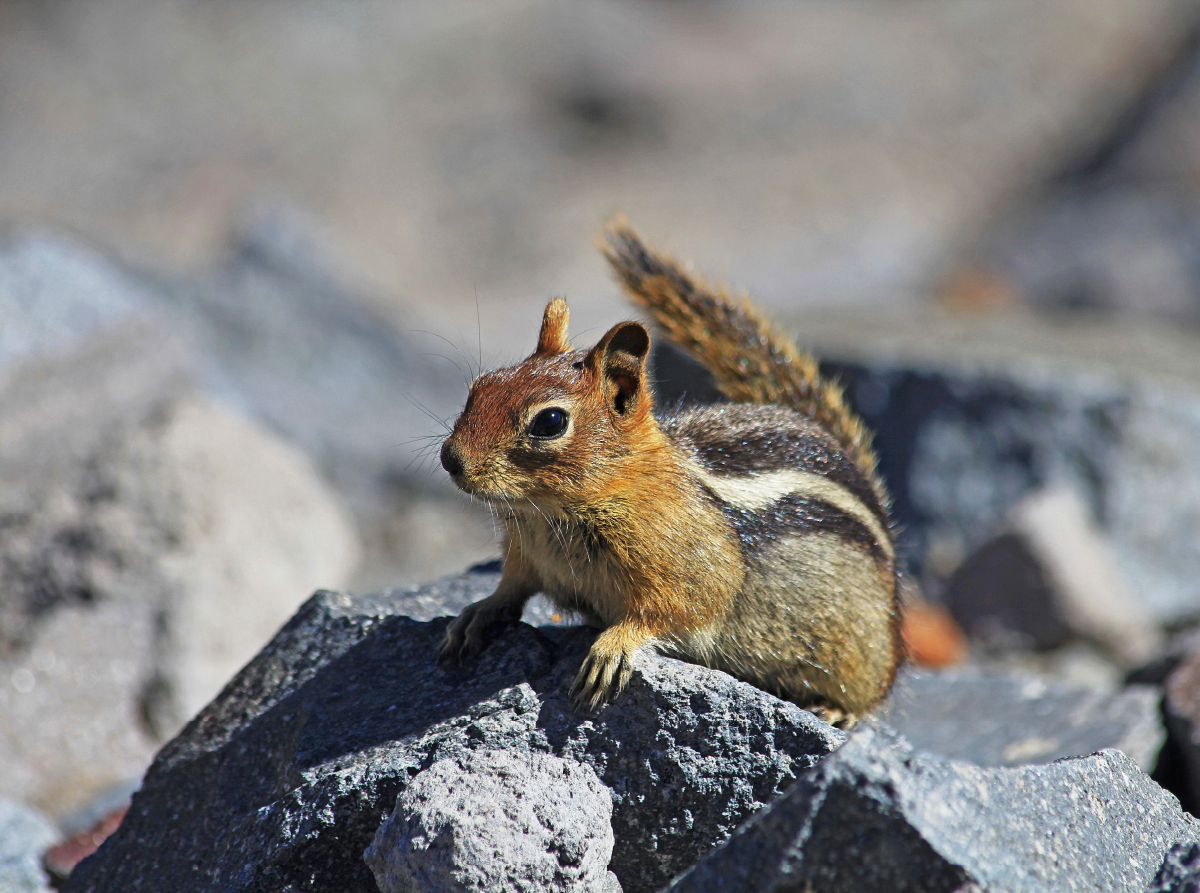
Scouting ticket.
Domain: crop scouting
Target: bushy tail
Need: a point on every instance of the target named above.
(751, 361)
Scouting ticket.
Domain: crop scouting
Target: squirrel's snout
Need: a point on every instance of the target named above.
(451, 460)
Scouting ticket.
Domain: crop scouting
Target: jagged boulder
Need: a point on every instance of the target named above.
(878, 816)
(283, 781)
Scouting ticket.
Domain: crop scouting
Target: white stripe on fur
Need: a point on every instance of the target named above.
(756, 492)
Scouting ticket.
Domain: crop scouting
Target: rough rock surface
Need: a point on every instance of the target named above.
(493, 821)
(24, 836)
(1180, 871)
(877, 816)
(282, 782)
(1010, 719)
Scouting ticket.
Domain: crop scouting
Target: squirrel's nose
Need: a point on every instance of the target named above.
(451, 460)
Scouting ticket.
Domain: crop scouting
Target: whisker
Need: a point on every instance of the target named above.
(466, 379)
(425, 437)
(478, 328)
(429, 412)
(465, 357)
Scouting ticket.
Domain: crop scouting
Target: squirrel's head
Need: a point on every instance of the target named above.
(554, 427)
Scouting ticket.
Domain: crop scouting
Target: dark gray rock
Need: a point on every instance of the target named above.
(24, 837)
(1180, 871)
(1011, 719)
(1050, 577)
(494, 821)
(1181, 705)
(282, 782)
(1001, 592)
(878, 816)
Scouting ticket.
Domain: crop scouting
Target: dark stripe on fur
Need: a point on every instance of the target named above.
(741, 439)
(759, 530)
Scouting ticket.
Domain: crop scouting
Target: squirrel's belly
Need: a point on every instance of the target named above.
(815, 621)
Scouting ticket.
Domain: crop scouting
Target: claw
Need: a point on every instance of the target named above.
(604, 673)
(465, 635)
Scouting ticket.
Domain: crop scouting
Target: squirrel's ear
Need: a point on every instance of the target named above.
(553, 337)
(620, 360)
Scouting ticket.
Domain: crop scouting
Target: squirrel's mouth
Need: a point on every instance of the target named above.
(483, 492)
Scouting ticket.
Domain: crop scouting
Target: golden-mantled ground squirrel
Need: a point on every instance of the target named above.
(750, 536)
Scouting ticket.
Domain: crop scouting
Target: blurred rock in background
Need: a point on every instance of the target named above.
(814, 153)
(152, 539)
(1052, 576)
(1116, 227)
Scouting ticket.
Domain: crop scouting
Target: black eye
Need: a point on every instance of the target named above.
(549, 423)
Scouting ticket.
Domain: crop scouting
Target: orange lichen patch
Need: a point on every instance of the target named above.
(931, 637)
(977, 289)
(61, 860)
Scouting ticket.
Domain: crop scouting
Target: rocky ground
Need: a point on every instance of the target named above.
(178, 480)
(344, 758)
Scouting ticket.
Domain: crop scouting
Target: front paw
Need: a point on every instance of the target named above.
(467, 634)
(605, 671)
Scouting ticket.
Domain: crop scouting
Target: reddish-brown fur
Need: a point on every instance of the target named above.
(615, 479)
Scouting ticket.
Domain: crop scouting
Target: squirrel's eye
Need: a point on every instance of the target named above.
(549, 423)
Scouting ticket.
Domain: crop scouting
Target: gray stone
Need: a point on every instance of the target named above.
(150, 542)
(1050, 577)
(1001, 597)
(878, 816)
(493, 820)
(276, 335)
(282, 782)
(24, 837)
(1180, 871)
(1010, 719)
